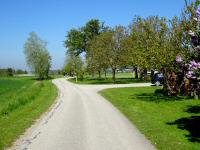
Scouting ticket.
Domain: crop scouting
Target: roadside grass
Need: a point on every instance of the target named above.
(169, 123)
(121, 78)
(55, 76)
(107, 81)
(22, 101)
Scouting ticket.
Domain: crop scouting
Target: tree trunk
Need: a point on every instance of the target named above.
(141, 74)
(105, 73)
(113, 73)
(136, 72)
(152, 74)
(166, 87)
(145, 74)
(99, 72)
(133, 68)
(93, 74)
(195, 90)
(196, 96)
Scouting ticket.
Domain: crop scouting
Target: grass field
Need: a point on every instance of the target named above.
(22, 100)
(169, 123)
(121, 78)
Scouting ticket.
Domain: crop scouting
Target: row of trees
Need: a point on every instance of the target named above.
(148, 43)
(151, 43)
(11, 72)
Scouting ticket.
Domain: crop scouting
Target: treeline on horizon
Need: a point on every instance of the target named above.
(5, 72)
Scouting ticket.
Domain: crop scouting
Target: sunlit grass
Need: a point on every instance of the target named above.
(121, 78)
(22, 100)
(169, 123)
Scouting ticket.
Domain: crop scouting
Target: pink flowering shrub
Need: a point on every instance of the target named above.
(190, 66)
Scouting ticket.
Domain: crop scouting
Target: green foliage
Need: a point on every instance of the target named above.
(92, 28)
(97, 58)
(168, 122)
(75, 42)
(150, 43)
(74, 66)
(37, 56)
(153, 42)
(78, 39)
(10, 72)
(105, 51)
(7, 72)
(19, 71)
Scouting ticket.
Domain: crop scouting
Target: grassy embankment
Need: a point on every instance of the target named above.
(169, 123)
(121, 78)
(22, 100)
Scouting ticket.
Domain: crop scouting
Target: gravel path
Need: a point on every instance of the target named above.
(83, 120)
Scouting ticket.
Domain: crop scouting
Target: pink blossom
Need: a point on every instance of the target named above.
(193, 65)
(190, 75)
(198, 12)
(179, 59)
(191, 33)
(197, 19)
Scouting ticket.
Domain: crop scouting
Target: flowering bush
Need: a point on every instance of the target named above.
(190, 66)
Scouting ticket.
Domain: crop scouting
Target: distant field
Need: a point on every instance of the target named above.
(170, 123)
(22, 100)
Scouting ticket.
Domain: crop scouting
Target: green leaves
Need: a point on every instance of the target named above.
(78, 40)
(197, 2)
(37, 56)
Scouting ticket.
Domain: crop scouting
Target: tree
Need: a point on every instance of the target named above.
(19, 71)
(92, 29)
(78, 40)
(106, 51)
(37, 56)
(118, 51)
(101, 54)
(10, 72)
(132, 45)
(74, 66)
(188, 66)
(97, 59)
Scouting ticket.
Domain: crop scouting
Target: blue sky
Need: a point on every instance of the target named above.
(51, 19)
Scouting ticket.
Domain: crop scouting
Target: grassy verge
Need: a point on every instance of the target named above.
(107, 81)
(22, 100)
(169, 123)
(121, 78)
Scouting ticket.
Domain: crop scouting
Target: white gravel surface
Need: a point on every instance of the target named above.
(81, 119)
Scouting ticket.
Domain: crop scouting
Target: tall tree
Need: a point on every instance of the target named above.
(106, 50)
(118, 51)
(78, 40)
(37, 56)
(97, 59)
